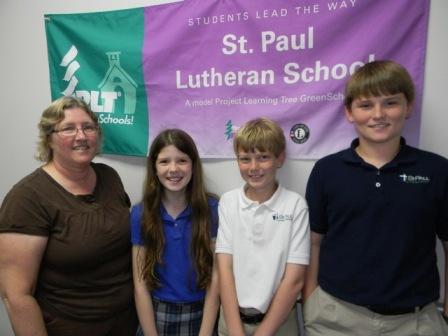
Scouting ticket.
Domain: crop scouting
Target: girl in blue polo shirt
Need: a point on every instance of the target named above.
(173, 230)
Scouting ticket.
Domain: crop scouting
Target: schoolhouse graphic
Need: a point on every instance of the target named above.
(118, 80)
(117, 91)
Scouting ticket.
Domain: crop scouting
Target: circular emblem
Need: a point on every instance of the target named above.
(299, 133)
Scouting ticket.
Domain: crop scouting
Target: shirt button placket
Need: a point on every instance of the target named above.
(378, 183)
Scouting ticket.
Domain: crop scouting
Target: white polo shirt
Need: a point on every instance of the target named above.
(262, 238)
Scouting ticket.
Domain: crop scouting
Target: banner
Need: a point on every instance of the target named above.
(209, 66)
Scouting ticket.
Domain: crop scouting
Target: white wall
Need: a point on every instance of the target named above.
(25, 92)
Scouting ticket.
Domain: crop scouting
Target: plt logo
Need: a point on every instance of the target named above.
(116, 92)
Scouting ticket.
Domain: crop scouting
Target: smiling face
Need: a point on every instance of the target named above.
(173, 169)
(379, 119)
(258, 169)
(78, 149)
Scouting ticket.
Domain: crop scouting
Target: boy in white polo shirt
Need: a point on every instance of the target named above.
(263, 239)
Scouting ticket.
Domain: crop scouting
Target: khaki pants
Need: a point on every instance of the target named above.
(326, 315)
(288, 328)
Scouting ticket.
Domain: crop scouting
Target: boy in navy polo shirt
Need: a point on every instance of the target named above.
(376, 209)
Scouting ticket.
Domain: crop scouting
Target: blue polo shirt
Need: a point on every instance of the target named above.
(177, 273)
(380, 226)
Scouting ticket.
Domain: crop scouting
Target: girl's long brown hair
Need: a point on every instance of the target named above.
(197, 198)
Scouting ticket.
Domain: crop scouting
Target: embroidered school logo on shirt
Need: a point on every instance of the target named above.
(417, 179)
(282, 217)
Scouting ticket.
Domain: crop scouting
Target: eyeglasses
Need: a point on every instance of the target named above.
(71, 131)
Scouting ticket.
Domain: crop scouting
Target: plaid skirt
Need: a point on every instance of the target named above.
(177, 319)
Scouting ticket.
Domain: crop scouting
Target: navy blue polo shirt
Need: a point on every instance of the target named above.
(176, 274)
(380, 226)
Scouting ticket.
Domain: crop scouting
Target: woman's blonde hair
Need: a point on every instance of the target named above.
(53, 115)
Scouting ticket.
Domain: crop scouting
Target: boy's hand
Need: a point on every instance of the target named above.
(283, 301)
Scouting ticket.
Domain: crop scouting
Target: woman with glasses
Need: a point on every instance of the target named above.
(65, 256)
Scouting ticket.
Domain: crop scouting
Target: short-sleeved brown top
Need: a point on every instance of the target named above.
(85, 272)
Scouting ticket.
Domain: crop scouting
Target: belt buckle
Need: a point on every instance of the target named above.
(250, 318)
(254, 319)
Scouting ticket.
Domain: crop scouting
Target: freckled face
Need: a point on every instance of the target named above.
(379, 119)
(78, 149)
(174, 169)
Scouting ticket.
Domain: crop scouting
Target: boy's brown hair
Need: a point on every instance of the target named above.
(379, 78)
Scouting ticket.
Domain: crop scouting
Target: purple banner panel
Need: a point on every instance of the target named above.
(210, 66)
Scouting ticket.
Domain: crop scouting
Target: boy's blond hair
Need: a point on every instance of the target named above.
(379, 78)
(262, 134)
